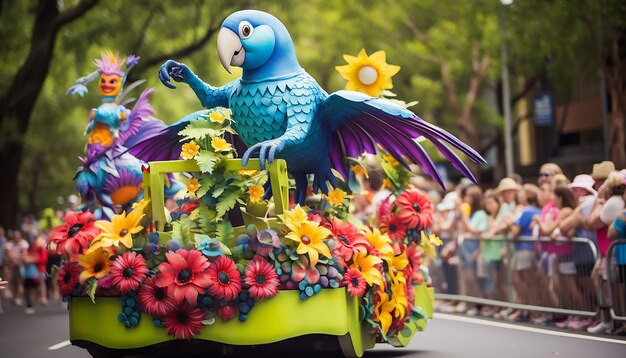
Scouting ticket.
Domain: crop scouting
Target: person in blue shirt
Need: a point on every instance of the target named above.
(524, 258)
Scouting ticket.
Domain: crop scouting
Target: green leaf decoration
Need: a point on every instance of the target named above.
(219, 190)
(224, 232)
(227, 202)
(197, 129)
(206, 160)
(181, 231)
(206, 218)
(92, 285)
(206, 183)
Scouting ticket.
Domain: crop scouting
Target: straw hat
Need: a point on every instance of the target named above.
(583, 181)
(507, 184)
(602, 170)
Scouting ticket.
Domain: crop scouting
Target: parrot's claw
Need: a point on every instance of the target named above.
(320, 178)
(174, 70)
(267, 149)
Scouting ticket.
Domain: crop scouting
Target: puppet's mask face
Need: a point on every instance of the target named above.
(110, 84)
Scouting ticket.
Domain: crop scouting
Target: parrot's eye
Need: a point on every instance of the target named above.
(245, 29)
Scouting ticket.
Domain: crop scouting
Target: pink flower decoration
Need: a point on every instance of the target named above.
(73, 237)
(184, 322)
(184, 275)
(128, 271)
(154, 299)
(226, 279)
(261, 278)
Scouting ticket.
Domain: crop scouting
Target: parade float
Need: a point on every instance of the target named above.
(246, 258)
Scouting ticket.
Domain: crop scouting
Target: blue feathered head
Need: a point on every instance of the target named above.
(258, 43)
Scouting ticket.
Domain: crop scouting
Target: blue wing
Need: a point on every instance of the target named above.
(360, 122)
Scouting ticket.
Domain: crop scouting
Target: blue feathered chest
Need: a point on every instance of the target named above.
(264, 110)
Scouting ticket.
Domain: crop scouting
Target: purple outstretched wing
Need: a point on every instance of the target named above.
(139, 124)
(360, 122)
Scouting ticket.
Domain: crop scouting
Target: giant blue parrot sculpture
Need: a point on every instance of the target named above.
(280, 111)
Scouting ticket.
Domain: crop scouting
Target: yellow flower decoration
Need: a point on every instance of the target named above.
(220, 144)
(399, 299)
(295, 216)
(386, 184)
(366, 265)
(359, 169)
(256, 193)
(383, 310)
(310, 238)
(397, 266)
(95, 264)
(368, 74)
(217, 117)
(336, 196)
(193, 185)
(391, 160)
(141, 204)
(247, 173)
(119, 230)
(432, 239)
(189, 150)
(382, 243)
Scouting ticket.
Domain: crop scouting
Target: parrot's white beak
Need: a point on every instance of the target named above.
(230, 49)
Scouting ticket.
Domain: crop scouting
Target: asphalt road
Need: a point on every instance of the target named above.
(45, 334)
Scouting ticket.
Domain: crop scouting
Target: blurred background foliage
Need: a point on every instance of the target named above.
(449, 52)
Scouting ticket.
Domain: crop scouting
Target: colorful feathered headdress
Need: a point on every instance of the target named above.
(109, 63)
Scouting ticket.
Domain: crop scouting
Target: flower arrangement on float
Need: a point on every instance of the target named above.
(199, 270)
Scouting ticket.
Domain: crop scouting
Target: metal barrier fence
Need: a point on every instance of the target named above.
(534, 274)
(616, 278)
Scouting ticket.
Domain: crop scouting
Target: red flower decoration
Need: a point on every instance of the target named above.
(183, 322)
(128, 271)
(262, 279)
(154, 299)
(355, 282)
(184, 275)
(314, 216)
(384, 207)
(392, 226)
(415, 210)
(226, 279)
(67, 277)
(73, 237)
(348, 238)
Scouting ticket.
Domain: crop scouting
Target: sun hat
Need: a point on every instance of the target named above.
(602, 170)
(583, 181)
(448, 203)
(507, 184)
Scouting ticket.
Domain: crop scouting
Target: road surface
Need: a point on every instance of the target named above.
(45, 334)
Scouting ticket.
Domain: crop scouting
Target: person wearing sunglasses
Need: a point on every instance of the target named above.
(546, 172)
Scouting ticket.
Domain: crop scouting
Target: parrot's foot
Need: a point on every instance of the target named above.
(302, 184)
(179, 72)
(321, 177)
(267, 187)
(267, 149)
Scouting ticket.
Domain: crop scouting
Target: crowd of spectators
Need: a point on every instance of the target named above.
(514, 243)
(540, 244)
(25, 262)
